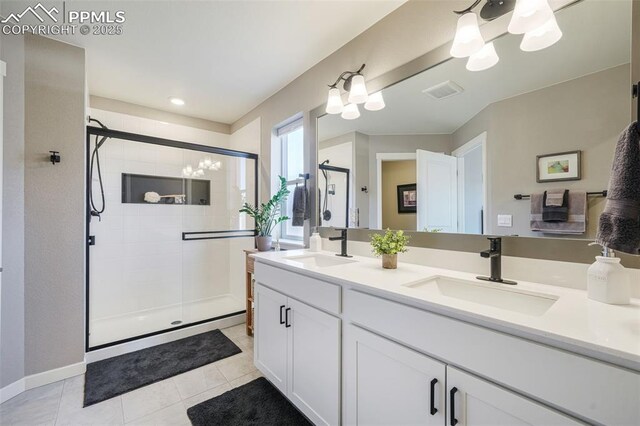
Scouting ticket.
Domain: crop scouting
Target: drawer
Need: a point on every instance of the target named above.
(322, 295)
(581, 386)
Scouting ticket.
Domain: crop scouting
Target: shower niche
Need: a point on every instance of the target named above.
(165, 190)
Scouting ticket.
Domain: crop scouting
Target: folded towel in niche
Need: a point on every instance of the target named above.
(301, 207)
(554, 211)
(619, 226)
(576, 221)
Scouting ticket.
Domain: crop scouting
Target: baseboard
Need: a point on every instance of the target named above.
(41, 379)
(57, 374)
(170, 336)
(11, 390)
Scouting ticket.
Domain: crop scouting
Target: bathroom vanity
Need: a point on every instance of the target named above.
(350, 343)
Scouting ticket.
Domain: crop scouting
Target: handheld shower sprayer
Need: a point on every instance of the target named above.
(95, 161)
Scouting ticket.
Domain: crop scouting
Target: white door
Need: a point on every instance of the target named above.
(270, 335)
(473, 401)
(389, 384)
(437, 192)
(314, 354)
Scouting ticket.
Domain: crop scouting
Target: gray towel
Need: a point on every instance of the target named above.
(555, 207)
(555, 198)
(576, 222)
(301, 208)
(620, 222)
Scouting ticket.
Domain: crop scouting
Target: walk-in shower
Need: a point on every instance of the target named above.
(167, 252)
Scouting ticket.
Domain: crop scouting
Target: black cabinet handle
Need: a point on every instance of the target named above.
(286, 317)
(452, 407)
(434, 410)
(281, 312)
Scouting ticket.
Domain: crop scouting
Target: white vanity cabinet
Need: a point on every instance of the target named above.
(389, 384)
(399, 362)
(472, 401)
(297, 347)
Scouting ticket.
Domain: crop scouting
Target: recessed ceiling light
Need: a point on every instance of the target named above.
(176, 101)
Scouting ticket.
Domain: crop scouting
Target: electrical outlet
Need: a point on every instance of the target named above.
(505, 220)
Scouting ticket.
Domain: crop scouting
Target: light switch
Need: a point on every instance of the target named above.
(505, 220)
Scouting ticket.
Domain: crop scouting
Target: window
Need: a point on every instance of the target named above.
(292, 165)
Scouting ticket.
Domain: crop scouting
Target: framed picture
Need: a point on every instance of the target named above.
(558, 167)
(407, 198)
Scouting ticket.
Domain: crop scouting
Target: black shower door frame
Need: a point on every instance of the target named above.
(339, 170)
(135, 137)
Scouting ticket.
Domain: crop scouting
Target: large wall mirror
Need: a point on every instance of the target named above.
(452, 148)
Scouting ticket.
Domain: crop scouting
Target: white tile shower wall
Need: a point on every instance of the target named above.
(139, 261)
(562, 274)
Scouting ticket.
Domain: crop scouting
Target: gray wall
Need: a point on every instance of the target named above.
(12, 310)
(585, 114)
(42, 324)
(54, 204)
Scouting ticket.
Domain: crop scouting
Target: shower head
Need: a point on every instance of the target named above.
(325, 162)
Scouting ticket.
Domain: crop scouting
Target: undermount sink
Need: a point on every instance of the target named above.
(488, 294)
(320, 260)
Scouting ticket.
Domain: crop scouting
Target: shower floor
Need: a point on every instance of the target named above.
(113, 329)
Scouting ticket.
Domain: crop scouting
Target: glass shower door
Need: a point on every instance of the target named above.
(167, 250)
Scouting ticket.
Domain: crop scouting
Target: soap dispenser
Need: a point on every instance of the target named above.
(315, 242)
(607, 279)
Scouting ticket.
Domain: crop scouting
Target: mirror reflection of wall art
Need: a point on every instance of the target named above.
(558, 167)
(407, 198)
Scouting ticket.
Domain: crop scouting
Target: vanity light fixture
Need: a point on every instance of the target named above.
(468, 39)
(533, 18)
(353, 82)
(529, 15)
(375, 102)
(541, 38)
(350, 112)
(484, 59)
(176, 101)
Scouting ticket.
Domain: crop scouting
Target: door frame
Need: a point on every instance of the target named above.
(380, 157)
(478, 141)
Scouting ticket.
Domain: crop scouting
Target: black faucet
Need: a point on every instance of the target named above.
(495, 254)
(343, 242)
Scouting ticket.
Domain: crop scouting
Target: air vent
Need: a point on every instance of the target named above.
(443, 90)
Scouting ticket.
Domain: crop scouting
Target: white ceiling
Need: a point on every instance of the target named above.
(222, 57)
(597, 36)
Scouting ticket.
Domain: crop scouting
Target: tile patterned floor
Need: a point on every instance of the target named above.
(161, 403)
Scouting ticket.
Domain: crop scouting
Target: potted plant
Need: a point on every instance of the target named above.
(267, 216)
(388, 246)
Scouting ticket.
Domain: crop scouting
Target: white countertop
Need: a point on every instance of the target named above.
(607, 332)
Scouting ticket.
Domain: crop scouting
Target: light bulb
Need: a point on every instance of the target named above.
(334, 102)
(201, 164)
(468, 39)
(207, 162)
(189, 169)
(484, 59)
(540, 38)
(375, 102)
(351, 112)
(529, 15)
(358, 90)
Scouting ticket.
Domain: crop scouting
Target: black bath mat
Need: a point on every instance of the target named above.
(256, 403)
(115, 376)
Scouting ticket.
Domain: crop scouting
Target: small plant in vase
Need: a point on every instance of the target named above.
(267, 216)
(388, 246)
